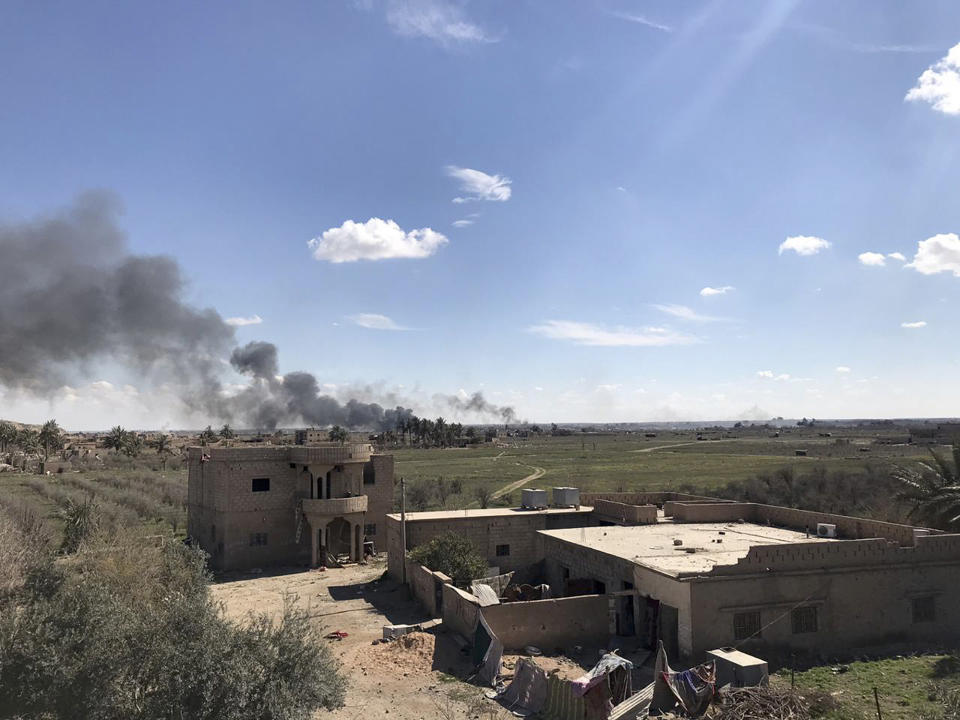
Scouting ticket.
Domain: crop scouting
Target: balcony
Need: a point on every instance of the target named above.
(335, 506)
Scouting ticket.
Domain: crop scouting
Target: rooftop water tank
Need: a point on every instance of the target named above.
(533, 499)
(566, 497)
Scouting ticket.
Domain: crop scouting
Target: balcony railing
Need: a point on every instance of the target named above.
(335, 506)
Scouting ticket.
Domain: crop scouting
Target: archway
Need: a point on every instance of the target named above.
(339, 537)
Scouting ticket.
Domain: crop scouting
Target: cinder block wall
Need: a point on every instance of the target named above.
(628, 514)
(380, 498)
(552, 624)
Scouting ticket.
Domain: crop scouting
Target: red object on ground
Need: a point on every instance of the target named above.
(338, 635)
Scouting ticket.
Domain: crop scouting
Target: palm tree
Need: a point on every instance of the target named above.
(116, 439)
(933, 490)
(161, 443)
(49, 439)
(227, 433)
(29, 442)
(208, 435)
(8, 435)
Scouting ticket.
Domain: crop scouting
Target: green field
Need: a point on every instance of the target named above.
(625, 462)
(906, 686)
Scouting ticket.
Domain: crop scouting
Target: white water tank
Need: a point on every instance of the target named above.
(826, 530)
(566, 497)
(532, 498)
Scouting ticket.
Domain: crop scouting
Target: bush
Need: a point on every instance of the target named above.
(454, 556)
(131, 632)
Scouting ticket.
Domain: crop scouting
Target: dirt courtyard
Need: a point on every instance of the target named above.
(409, 680)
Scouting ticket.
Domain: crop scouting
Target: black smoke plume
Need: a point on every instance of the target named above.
(72, 295)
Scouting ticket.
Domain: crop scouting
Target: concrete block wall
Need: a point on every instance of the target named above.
(627, 514)
(551, 624)
(642, 498)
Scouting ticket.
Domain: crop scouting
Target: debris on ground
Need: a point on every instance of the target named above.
(337, 635)
(414, 652)
(769, 703)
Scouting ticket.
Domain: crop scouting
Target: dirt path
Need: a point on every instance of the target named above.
(538, 472)
(664, 447)
(385, 680)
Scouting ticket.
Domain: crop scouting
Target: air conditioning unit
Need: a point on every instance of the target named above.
(566, 497)
(533, 499)
(826, 530)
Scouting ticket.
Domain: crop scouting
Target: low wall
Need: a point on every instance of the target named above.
(460, 611)
(642, 498)
(549, 624)
(632, 514)
(709, 512)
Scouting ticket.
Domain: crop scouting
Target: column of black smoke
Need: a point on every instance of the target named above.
(72, 295)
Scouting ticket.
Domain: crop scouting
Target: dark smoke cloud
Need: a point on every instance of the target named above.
(72, 295)
(477, 404)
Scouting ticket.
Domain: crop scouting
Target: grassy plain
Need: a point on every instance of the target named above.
(906, 686)
(624, 462)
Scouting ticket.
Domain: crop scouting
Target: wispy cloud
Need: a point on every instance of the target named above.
(685, 313)
(462, 223)
(243, 321)
(897, 256)
(803, 245)
(939, 84)
(834, 38)
(375, 321)
(711, 291)
(915, 324)
(479, 185)
(594, 335)
(442, 21)
(940, 253)
(640, 20)
(842, 369)
(374, 239)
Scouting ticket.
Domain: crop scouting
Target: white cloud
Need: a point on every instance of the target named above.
(843, 369)
(941, 253)
(917, 324)
(479, 185)
(243, 321)
(594, 335)
(765, 373)
(939, 85)
(768, 375)
(710, 291)
(462, 223)
(439, 20)
(374, 321)
(897, 256)
(872, 258)
(640, 20)
(685, 313)
(375, 239)
(803, 245)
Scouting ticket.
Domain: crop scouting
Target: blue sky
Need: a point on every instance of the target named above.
(613, 158)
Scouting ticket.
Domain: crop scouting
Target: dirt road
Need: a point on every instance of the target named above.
(538, 472)
(413, 681)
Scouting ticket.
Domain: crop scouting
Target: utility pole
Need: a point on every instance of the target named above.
(403, 530)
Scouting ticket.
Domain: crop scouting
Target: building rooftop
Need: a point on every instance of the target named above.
(488, 512)
(653, 545)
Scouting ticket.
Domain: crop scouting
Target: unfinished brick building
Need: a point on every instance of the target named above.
(700, 573)
(287, 505)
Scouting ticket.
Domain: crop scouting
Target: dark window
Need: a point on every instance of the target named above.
(368, 475)
(746, 625)
(564, 572)
(804, 620)
(503, 550)
(257, 539)
(261, 484)
(370, 530)
(924, 609)
(599, 588)
(293, 466)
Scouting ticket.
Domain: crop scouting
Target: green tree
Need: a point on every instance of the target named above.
(132, 445)
(8, 435)
(454, 556)
(49, 439)
(161, 443)
(933, 490)
(208, 435)
(81, 520)
(28, 441)
(419, 495)
(227, 433)
(116, 439)
(338, 434)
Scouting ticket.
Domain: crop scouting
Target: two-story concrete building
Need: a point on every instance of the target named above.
(287, 505)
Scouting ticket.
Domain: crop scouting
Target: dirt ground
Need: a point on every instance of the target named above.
(417, 677)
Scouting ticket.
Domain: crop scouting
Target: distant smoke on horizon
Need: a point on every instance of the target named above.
(73, 295)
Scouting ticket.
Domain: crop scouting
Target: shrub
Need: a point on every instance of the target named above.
(454, 556)
(131, 632)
